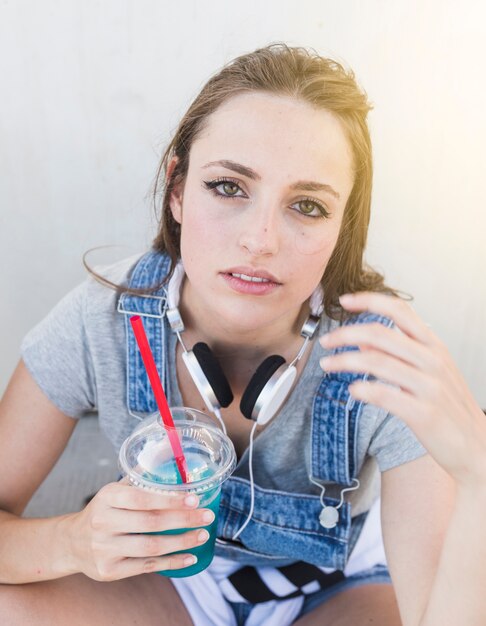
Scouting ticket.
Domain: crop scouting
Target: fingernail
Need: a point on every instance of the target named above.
(202, 536)
(190, 559)
(191, 500)
(208, 516)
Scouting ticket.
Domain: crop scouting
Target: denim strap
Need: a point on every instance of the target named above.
(335, 418)
(149, 271)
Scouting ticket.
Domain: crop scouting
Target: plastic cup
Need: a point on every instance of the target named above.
(147, 459)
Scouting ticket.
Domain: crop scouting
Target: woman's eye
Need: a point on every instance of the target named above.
(228, 187)
(311, 208)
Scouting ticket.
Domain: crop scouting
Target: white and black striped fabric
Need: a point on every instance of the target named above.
(256, 585)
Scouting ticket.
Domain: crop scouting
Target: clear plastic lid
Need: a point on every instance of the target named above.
(147, 459)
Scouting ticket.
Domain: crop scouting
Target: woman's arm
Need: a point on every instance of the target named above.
(435, 547)
(32, 550)
(33, 434)
(458, 592)
(111, 538)
(429, 394)
(417, 499)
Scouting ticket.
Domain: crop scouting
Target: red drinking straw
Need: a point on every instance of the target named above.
(148, 361)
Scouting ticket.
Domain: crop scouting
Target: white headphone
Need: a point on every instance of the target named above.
(269, 385)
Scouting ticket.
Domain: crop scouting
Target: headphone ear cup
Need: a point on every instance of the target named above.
(260, 378)
(213, 372)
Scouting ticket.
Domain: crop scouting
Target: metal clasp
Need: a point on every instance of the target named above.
(120, 308)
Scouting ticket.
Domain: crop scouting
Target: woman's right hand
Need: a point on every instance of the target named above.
(104, 536)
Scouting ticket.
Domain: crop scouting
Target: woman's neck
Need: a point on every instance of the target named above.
(240, 350)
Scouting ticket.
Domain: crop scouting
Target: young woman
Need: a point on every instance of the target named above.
(265, 209)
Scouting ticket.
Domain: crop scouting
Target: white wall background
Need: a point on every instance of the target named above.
(91, 91)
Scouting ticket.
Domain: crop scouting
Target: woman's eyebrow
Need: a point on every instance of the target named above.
(301, 185)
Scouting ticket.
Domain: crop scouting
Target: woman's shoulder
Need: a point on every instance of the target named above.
(101, 289)
(89, 303)
(117, 273)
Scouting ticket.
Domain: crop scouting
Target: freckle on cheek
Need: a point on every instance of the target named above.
(308, 245)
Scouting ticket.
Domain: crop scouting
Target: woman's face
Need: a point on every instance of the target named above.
(250, 206)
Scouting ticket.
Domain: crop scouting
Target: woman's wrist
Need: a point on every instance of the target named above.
(471, 471)
(67, 562)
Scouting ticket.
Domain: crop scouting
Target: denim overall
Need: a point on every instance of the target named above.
(285, 526)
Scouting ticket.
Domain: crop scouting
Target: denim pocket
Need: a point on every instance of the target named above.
(283, 525)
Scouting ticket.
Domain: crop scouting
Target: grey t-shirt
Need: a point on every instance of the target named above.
(77, 356)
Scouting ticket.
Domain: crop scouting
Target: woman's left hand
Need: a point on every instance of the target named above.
(432, 397)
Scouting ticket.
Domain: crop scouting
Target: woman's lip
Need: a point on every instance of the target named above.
(253, 272)
(249, 287)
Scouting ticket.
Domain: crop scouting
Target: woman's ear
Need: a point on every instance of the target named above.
(175, 199)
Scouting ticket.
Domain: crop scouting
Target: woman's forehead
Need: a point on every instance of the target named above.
(262, 112)
(268, 132)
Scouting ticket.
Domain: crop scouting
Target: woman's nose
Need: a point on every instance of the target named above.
(260, 233)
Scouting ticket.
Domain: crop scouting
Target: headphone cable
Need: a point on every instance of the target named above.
(252, 498)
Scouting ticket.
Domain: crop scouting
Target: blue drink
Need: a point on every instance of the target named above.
(168, 474)
(146, 458)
